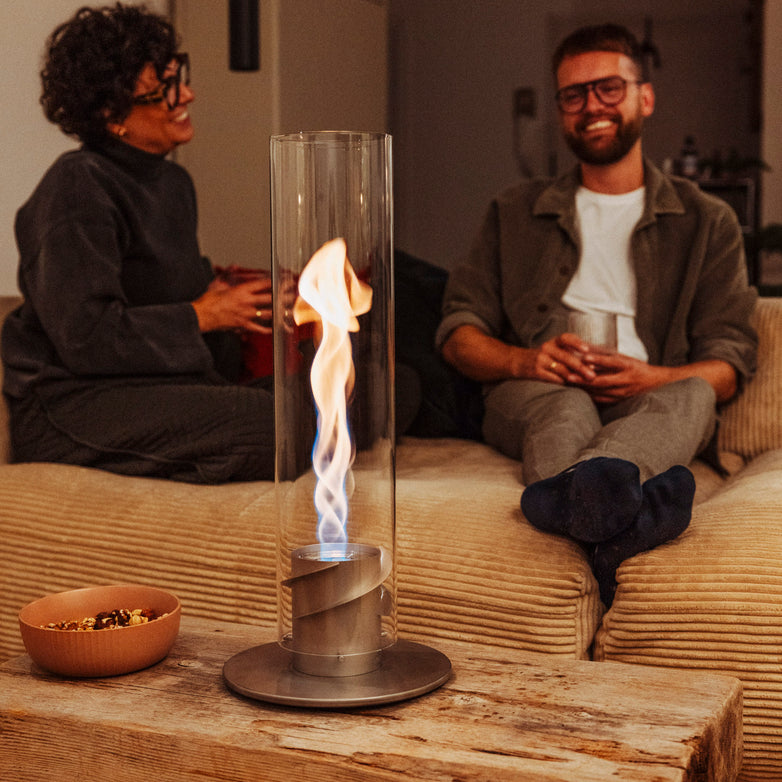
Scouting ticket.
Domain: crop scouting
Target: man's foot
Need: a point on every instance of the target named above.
(592, 501)
(665, 513)
(545, 503)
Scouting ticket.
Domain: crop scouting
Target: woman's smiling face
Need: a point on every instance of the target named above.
(154, 127)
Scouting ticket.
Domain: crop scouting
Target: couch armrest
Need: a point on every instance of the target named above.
(7, 303)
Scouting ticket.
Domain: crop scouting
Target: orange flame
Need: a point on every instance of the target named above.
(331, 294)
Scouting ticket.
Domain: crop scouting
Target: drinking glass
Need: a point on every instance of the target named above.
(595, 327)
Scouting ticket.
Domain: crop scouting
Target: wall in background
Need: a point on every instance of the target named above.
(454, 66)
(30, 142)
(703, 87)
(323, 66)
(771, 141)
(233, 114)
(457, 63)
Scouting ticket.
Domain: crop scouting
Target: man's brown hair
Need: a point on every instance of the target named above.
(600, 38)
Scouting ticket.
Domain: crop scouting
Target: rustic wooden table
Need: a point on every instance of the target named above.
(504, 715)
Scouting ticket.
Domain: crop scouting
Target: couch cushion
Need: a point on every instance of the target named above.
(7, 303)
(712, 600)
(449, 404)
(752, 422)
(65, 527)
(468, 565)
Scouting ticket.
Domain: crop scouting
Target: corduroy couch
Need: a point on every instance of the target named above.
(469, 566)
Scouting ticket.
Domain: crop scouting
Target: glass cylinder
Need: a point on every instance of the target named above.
(332, 267)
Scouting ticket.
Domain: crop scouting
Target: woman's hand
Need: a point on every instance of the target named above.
(247, 306)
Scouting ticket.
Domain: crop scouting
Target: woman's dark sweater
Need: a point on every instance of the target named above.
(109, 263)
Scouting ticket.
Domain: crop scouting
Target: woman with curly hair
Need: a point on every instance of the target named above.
(124, 355)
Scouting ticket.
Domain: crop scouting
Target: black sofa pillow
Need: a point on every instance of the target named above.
(433, 399)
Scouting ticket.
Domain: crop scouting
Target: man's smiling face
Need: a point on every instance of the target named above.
(600, 134)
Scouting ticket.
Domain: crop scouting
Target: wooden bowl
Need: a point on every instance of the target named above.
(107, 652)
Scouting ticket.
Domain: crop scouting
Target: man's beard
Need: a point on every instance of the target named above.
(627, 133)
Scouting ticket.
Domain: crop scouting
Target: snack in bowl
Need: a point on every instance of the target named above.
(52, 637)
(107, 620)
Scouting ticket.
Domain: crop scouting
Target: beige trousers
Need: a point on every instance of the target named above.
(550, 427)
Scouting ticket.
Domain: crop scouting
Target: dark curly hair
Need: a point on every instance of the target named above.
(92, 64)
(599, 38)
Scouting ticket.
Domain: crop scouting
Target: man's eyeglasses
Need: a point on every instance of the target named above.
(609, 91)
(168, 89)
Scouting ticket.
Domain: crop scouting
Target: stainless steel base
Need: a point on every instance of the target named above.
(407, 669)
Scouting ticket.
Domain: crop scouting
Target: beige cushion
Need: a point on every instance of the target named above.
(7, 303)
(712, 599)
(752, 423)
(65, 527)
(468, 565)
(471, 567)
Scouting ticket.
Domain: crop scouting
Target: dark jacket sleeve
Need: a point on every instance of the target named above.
(719, 321)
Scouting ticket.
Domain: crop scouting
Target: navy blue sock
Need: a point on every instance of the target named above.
(591, 501)
(665, 513)
(605, 496)
(545, 503)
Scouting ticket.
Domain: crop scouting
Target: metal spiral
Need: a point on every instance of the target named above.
(337, 605)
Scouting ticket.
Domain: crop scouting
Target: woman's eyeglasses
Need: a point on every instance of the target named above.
(609, 91)
(168, 89)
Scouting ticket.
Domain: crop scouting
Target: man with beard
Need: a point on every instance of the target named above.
(604, 437)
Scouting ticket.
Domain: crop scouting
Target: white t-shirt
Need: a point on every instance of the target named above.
(605, 279)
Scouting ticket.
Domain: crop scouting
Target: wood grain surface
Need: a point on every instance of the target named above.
(503, 715)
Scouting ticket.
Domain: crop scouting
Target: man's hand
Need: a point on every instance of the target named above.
(619, 377)
(608, 377)
(486, 359)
